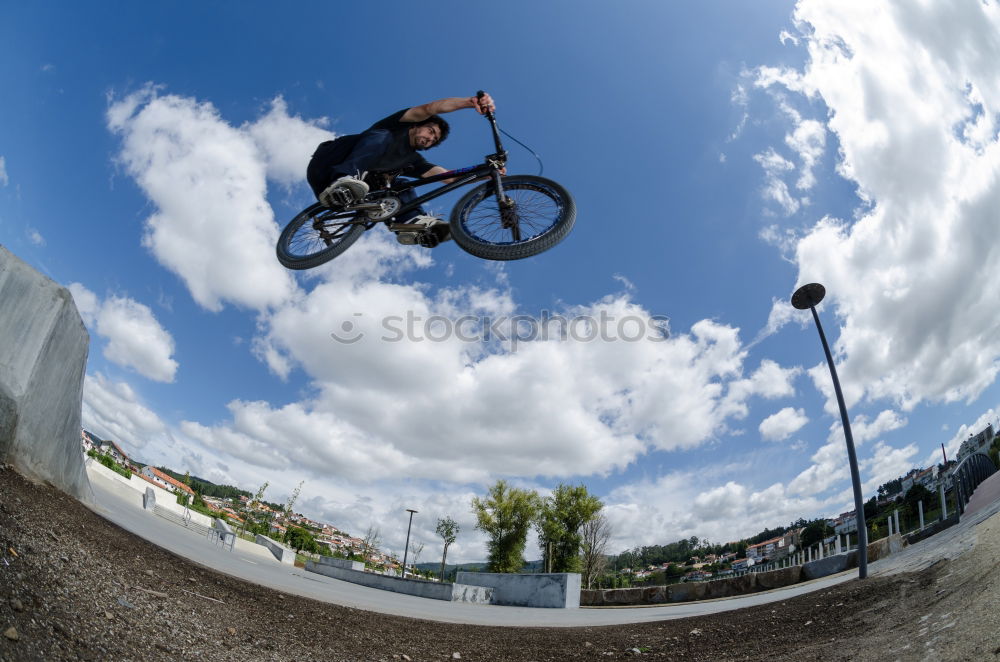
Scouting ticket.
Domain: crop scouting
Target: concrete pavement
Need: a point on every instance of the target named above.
(123, 506)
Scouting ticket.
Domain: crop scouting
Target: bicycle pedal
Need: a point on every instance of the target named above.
(408, 238)
(407, 227)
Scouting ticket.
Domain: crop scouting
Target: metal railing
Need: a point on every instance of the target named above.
(968, 475)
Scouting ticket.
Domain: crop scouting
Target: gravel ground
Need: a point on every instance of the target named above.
(75, 586)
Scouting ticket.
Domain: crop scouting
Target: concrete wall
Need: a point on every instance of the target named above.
(883, 547)
(282, 553)
(418, 587)
(164, 498)
(829, 565)
(43, 357)
(690, 591)
(341, 563)
(546, 589)
(744, 584)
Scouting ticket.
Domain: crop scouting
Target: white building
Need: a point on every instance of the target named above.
(977, 443)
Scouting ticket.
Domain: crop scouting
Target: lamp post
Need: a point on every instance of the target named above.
(407, 550)
(808, 297)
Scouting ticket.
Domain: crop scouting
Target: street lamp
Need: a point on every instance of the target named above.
(407, 550)
(809, 296)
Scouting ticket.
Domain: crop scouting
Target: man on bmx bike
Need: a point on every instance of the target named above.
(339, 168)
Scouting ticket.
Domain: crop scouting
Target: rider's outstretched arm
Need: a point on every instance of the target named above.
(449, 105)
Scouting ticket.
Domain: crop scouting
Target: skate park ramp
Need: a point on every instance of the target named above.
(43, 359)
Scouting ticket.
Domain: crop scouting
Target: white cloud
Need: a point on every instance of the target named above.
(4, 179)
(909, 278)
(212, 225)
(775, 166)
(808, 140)
(785, 36)
(287, 142)
(35, 237)
(782, 425)
(885, 464)
(582, 407)
(135, 338)
(781, 314)
(676, 506)
(113, 410)
(863, 431)
(830, 463)
(86, 302)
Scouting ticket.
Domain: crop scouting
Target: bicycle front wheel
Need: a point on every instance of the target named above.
(536, 215)
(317, 235)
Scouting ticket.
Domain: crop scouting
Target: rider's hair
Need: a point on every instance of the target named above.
(442, 127)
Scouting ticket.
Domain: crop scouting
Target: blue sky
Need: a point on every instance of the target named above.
(720, 154)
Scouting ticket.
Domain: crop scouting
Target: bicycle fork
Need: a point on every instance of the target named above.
(507, 207)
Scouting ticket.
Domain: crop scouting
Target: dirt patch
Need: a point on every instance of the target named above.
(74, 586)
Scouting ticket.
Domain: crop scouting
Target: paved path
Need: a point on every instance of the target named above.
(123, 506)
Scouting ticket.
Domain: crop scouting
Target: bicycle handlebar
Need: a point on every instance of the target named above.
(493, 124)
(489, 113)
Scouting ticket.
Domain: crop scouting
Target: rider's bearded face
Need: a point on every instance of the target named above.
(424, 136)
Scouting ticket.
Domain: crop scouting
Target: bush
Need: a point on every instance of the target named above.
(107, 461)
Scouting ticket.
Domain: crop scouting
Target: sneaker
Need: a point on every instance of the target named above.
(438, 227)
(343, 192)
(425, 230)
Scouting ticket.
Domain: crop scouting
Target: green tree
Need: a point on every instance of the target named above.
(815, 531)
(559, 521)
(917, 493)
(448, 529)
(505, 515)
(299, 539)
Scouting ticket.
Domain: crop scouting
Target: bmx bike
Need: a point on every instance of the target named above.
(505, 217)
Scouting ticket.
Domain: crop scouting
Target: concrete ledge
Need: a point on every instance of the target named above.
(560, 590)
(690, 591)
(883, 547)
(341, 563)
(765, 581)
(282, 553)
(931, 529)
(419, 587)
(149, 499)
(43, 356)
(752, 582)
(478, 595)
(687, 591)
(748, 583)
(830, 565)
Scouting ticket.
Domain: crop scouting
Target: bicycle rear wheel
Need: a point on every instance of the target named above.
(539, 214)
(317, 235)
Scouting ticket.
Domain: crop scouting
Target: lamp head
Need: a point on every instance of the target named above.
(808, 296)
